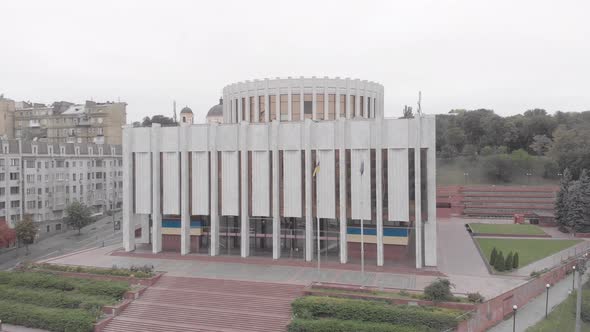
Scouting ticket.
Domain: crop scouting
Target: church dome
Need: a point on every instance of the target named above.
(186, 109)
(216, 110)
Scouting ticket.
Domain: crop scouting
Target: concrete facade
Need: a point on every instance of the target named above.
(245, 187)
(42, 179)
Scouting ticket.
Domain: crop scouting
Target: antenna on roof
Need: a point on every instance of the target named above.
(174, 109)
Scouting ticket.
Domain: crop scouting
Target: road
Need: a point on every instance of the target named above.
(94, 235)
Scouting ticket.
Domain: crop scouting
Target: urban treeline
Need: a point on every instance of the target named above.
(520, 144)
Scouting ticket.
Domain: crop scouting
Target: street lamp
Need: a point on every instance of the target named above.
(514, 309)
(547, 299)
(573, 278)
(362, 172)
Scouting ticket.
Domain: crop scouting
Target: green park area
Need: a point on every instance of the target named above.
(529, 250)
(55, 303)
(563, 317)
(507, 229)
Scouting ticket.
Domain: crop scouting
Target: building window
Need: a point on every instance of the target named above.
(13, 176)
(14, 162)
(30, 164)
(14, 204)
(14, 190)
(58, 227)
(2, 176)
(48, 228)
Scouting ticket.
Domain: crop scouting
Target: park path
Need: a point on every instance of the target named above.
(534, 311)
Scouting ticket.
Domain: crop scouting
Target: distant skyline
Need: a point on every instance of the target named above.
(508, 56)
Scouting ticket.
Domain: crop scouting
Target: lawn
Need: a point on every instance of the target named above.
(507, 229)
(562, 318)
(529, 250)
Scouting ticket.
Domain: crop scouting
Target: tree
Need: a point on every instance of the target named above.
(77, 216)
(515, 262)
(161, 119)
(439, 290)
(571, 148)
(575, 207)
(408, 113)
(456, 138)
(584, 187)
(493, 256)
(499, 263)
(541, 144)
(562, 198)
(26, 231)
(508, 262)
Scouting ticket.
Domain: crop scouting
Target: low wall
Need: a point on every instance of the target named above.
(510, 235)
(131, 280)
(495, 310)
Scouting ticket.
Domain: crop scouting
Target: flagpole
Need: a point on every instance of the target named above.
(315, 173)
(362, 237)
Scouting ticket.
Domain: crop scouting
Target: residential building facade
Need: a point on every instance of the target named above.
(64, 122)
(41, 179)
(299, 169)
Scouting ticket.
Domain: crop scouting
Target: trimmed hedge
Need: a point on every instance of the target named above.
(141, 272)
(53, 298)
(111, 289)
(314, 307)
(337, 325)
(52, 319)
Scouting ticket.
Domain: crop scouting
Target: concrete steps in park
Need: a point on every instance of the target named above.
(195, 304)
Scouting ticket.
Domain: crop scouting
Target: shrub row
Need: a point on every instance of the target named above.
(313, 307)
(142, 272)
(337, 325)
(500, 263)
(110, 289)
(53, 298)
(52, 319)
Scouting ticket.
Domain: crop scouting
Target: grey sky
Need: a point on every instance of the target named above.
(506, 55)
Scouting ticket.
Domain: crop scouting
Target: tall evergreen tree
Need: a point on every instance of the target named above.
(575, 207)
(562, 198)
(515, 262)
(499, 263)
(584, 182)
(508, 262)
(493, 256)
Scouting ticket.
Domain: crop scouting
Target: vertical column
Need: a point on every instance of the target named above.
(266, 102)
(342, 166)
(314, 114)
(185, 222)
(301, 101)
(357, 99)
(226, 104)
(247, 101)
(379, 192)
(418, 192)
(326, 103)
(214, 249)
(245, 217)
(156, 192)
(278, 102)
(337, 98)
(308, 209)
(348, 114)
(256, 103)
(430, 226)
(276, 219)
(366, 102)
(128, 220)
(290, 100)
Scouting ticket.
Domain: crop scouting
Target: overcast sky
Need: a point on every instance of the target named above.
(509, 56)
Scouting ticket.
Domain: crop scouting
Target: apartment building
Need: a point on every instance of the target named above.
(299, 168)
(42, 179)
(63, 122)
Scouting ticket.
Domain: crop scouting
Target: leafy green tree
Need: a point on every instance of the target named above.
(26, 231)
(161, 119)
(562, 198)
(456, 138)
(408, 113)
(499, 263)
(493, 256)
(498, 167)
(541, 144)
(515, 261)
(571, 148)
(77, 216)
(508, 262)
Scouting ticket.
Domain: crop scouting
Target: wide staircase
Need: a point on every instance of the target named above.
(195, 304)
(506, 201)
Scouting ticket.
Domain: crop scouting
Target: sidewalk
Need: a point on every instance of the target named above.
(12, 328)
(534, 311)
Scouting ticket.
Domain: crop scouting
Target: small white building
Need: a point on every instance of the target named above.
(292, 156)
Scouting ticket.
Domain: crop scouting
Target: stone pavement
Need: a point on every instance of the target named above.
(13, 328)
(534, 311)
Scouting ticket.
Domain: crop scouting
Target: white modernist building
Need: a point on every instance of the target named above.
(295, 162)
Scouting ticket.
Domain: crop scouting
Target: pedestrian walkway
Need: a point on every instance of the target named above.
(12, 328)
(534, 311)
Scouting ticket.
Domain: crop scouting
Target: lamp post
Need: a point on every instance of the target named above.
(362, 171)
(514, 309)
(573, 278)
(547, 300)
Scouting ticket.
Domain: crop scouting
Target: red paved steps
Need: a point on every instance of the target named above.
(205, 305)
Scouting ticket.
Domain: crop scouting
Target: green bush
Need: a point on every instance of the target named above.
(439, 290)
(314, 307)
(493, 256)
(508, 262)
(110, 289)
(337, 325)
(475, 297)
(515, 261)
(53, 298)
(138, 271)
(52, 319)
(499, 263)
